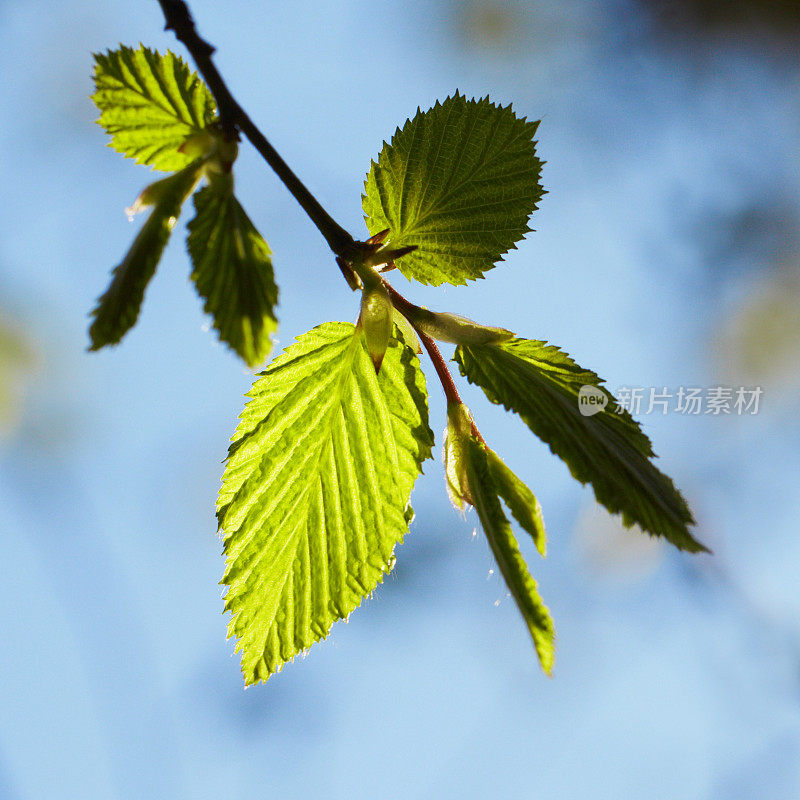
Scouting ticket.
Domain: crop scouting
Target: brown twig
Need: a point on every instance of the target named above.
(409, 311)
(233, 118)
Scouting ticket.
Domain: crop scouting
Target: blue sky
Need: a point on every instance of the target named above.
(676, 677)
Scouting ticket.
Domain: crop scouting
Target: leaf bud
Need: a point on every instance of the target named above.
(456, 329)
(454, 455)
(376, 322)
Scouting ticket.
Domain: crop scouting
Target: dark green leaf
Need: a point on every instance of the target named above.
(118, 309)
(233, 272)
(608, 449)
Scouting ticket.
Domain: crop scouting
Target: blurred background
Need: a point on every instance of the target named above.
(665, 255)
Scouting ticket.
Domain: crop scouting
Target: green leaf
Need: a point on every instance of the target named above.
(316, 488)
(406, 332)
(150, 105)
(484, 492)
(477, 475)
(233, 272)
(459, 181)
(118, 309)
(608, 449)
(519, 498)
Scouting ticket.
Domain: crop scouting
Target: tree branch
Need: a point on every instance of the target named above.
(233, 117)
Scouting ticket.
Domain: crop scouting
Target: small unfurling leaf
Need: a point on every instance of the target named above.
(476, 475)
(118, 309)
(377, 322)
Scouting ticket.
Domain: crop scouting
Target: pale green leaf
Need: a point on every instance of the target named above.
(232, 271)
(118, 309)
(485, 497)
(608, 449)
(150, 104)
(459, 181)
(315, 493)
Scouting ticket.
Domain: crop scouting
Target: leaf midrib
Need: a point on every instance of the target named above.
(300, 529)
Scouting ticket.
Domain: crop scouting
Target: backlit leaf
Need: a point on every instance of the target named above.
(316, 488)
(459, 181)
(232, 270)
(118, 309)
(485, 497)
(150, 105)
(608, 449)
(520, 500)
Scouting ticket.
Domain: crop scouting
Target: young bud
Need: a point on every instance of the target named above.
(454, 455)
(459, 330)
(376, 322)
